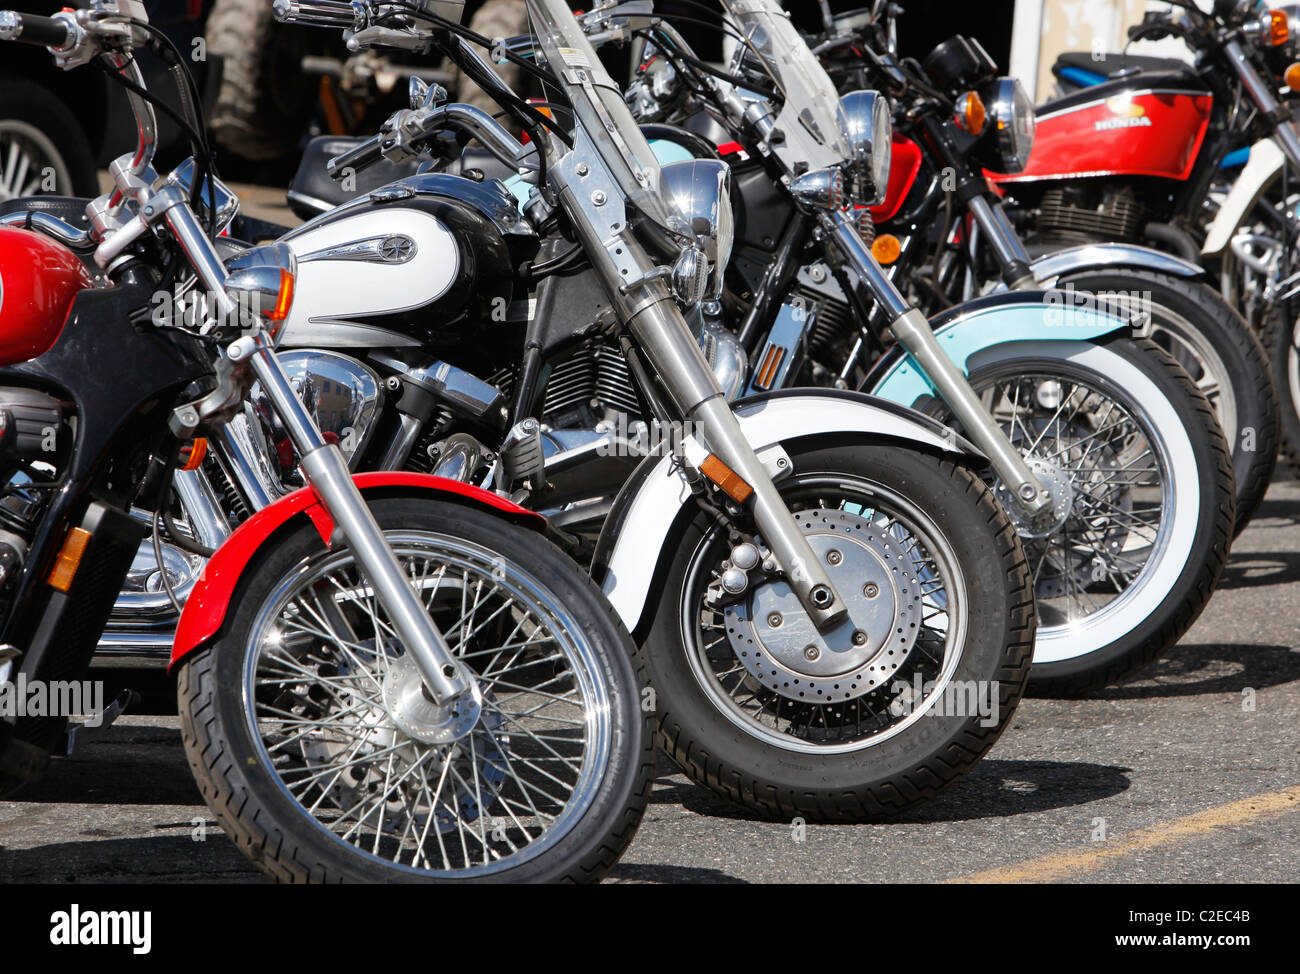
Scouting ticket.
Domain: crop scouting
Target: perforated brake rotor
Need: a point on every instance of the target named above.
(777, 643)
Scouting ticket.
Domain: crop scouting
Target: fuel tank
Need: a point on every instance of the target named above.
(1145, 125)
(39, 277)
(426, 260)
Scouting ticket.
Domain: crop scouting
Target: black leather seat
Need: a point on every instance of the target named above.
(69, 209)
(1108, 63)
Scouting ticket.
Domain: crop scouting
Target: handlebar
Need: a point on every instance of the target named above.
(357, 158)
(33, 29)
(319, 13)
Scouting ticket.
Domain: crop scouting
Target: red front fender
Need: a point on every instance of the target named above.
(205, 609)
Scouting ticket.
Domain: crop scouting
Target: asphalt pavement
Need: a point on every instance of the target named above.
(1189, 773)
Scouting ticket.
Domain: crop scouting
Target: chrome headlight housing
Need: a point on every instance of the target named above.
(699, 191)
(869, 129)
(1011, 113)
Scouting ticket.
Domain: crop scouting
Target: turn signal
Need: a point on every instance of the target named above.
(970, 113)
(283, 300)
(68, 560)
(1278, 31)
(886, 248)
(728, 481)
(1292, 76)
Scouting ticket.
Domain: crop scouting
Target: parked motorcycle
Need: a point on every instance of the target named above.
(956, 239)
(1067, 406)
(391, 678)
(1197, 159)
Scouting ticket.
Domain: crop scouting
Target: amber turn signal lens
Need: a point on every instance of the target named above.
(1278, 31)
(730, 482)
(68, 559)
(284, 300)
(970, 113)
(886, 248)
(1292, 76)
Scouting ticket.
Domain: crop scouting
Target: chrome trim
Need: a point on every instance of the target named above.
(392, 248)
(1051, 266)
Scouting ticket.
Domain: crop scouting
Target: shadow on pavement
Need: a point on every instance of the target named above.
(628, 872)
(993, 789)
(175, 857)
(1253, 569)
(1186, 671)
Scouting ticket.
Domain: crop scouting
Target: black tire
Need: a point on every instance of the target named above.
(275, 831)
(1180, 585)
(34, 110)
(1282, 338)
(495, 19)
(265, 101)
(1242, 362)
(915, 764)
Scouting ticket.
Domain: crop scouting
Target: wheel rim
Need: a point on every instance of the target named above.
(1101, 558)
(25, 153)
(909, 688)
(318, 693)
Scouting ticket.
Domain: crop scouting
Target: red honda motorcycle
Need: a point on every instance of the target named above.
(1154, 153)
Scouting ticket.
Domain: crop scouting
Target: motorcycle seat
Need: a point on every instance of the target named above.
(313, 191)
(1077, 66)
(69, 209)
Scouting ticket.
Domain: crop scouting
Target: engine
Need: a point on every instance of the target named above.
(1069, 215)
(32, 435)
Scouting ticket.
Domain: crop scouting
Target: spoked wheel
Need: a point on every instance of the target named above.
(319, 750)
(890, 705)
(1141, 485)
(1217, 348)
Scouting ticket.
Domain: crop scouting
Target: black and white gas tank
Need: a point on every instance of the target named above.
(426, 260)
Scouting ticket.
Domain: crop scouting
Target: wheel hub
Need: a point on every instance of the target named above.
(419, 717)
(1058, 486)
(780, 647)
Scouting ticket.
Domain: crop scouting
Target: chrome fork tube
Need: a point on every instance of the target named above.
(915, 335)
(327, 472)
(661, 332)
(1263, 96)
(1007, 246)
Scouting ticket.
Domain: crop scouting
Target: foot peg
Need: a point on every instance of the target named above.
(78, 734)
(522, 459)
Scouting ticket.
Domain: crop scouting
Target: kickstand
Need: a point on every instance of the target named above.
(78, 734)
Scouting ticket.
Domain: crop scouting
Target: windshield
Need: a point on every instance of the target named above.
(599, 108)
(810, 119)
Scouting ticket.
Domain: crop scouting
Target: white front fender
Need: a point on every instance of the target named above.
(1092, 257)
(1266, 163)
(640, 526)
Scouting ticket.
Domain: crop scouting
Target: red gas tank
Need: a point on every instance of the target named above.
(1124, 127)
(39, 277)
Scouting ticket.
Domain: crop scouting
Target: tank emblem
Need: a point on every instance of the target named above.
(395, 248)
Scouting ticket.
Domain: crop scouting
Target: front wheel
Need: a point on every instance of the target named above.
(891, 705)
(1142, 480)
(314, 745)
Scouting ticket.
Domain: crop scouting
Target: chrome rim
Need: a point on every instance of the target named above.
(25, 154)
(324, 670)
(1106, 447)
(877, 709)
(1190, 349)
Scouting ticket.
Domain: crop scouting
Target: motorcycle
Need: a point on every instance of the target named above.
(945, 255)
(386, 678)
(1040, 384)
(800, 568)
(1195, 158)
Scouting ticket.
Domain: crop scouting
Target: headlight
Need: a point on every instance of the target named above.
(260, 281)
(1012, 115)
(869, 130)
(699, 190)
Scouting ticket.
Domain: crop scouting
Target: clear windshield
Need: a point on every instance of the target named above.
(810, 118)
(600, 109)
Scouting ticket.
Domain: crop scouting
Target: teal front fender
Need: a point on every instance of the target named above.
(970, 328)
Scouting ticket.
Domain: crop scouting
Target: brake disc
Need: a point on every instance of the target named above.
(877, 579)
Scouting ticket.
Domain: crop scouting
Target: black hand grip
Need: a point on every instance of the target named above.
(356, 158)
(32, 29)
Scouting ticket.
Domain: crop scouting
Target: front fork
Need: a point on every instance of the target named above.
(913, 332)
(327, 473)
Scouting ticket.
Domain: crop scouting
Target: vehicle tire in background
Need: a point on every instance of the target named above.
(496, 18)
(265, 100)
(39, 133)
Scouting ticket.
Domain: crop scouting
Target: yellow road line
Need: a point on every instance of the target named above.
(1076, 862)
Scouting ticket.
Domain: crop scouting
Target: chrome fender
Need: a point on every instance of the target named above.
(997, 319)
(635, 539)
(1090, 257)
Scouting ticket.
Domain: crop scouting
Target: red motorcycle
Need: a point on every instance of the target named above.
(1193, 158)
